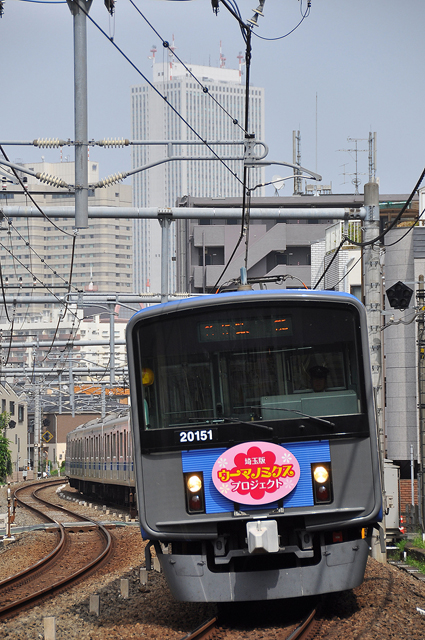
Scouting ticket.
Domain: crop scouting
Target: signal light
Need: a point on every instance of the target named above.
(322, 483)
(194, 490)
(399, 295)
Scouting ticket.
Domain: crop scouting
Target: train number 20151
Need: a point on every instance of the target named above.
(197, 435)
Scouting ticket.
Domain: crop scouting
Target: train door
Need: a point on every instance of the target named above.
(114, 457)
(121, 457)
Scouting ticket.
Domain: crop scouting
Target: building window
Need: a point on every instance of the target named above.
(12, 408)
(213, 255)
(290, 256)
(21, 412)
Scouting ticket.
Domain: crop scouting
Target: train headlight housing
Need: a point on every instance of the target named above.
(194, 484)
(322, 483)
(320, 474)
(194, 491)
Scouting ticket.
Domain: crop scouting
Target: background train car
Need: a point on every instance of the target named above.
(255, 442)
(99, 459)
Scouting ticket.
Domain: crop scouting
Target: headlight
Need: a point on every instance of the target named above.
(194, 484)
(322, 483)
(321, 474)
(194, 490)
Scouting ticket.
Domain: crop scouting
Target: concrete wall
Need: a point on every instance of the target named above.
(400, 352)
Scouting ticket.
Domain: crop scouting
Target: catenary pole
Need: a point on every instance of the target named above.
(80, 9)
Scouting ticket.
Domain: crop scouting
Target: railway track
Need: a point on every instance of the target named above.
(304, 629)
(82, 545)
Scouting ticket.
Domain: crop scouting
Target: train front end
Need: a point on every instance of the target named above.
(255, 444)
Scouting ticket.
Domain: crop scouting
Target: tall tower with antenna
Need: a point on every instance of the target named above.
(296, 159)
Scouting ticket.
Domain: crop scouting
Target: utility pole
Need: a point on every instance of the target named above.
(373, 302)
(112, 343)
(420, 298)
(37, 428)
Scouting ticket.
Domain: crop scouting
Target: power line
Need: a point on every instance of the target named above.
(304, 16)
(204, 88)
(396, 219)
(165, 98)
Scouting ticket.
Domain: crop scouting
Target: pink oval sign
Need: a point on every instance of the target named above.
(256, 473)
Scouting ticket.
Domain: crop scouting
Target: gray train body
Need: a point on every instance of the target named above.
(252, 482)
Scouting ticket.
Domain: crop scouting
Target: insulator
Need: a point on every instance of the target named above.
(49, 142)
(52, 180)
(111, 180)
(111, 142)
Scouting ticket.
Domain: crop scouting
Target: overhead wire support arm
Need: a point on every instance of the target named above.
(171, 158)
(267, 163)
(43, 177)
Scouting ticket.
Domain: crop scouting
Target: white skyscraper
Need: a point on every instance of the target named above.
(216, 115)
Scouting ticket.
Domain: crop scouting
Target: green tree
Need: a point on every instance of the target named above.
(5, 457)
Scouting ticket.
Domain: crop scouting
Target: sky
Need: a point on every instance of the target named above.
(350, 68)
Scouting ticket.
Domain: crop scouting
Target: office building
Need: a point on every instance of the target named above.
(210, 114)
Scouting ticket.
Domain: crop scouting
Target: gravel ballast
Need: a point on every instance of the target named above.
(387, 605)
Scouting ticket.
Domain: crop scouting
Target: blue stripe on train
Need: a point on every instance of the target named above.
(302, 496)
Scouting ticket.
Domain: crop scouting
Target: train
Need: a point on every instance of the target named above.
(254, 444)
(99, 459)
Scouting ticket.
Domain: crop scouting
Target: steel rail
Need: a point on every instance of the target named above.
(46, 564)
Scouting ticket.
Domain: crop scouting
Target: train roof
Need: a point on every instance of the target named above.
(107, 420)
(235, 296)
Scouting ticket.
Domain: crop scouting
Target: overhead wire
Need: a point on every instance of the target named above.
(34, 276)
(348, 271)
(29, 195)
(164, 97)
(304, 16)
(204, 88)
(66, 305)
(43, 260)
(330, 263)
(247, 31)
(381, 235)
(409, 229)
(396, 219)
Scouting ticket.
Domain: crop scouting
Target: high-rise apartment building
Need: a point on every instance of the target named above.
(36, 254)
(216, 115)
(35, 250)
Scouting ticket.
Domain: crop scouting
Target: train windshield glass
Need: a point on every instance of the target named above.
(256, 364)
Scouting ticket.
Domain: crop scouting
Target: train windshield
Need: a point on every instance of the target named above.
(264, 364)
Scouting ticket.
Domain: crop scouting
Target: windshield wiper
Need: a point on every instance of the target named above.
(300, 413)
(248, 424)
(228, 419)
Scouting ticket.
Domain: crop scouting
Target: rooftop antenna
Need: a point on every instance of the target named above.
(153, 52)
(171, 50)
(372, 156)
(279, 183)
(355, 181)
(222, 59)
(296, 159)
(241, 59)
